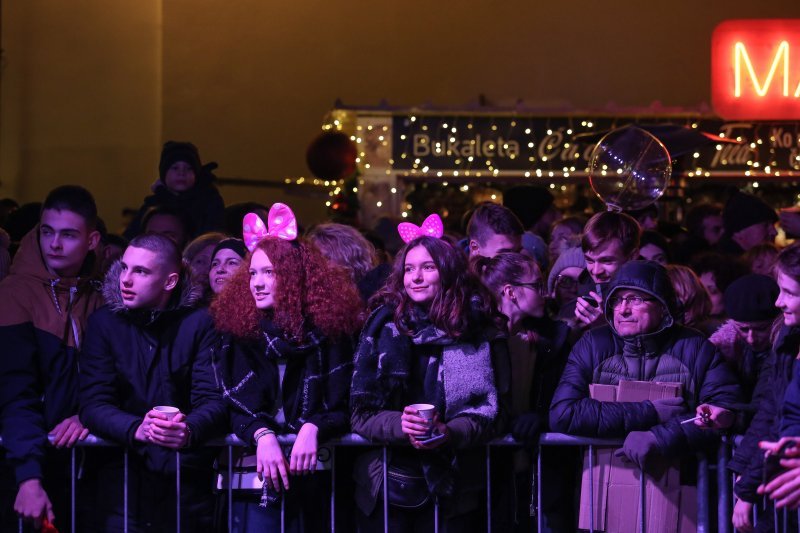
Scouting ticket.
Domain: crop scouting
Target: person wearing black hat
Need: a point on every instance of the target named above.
(225, 259)
(748, 221)
(744, 339)
(185, 185)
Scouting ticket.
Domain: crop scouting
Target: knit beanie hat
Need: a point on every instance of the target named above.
(175, 151)
(571, 257)
(237, 245)
(751, 298)
(744, 210)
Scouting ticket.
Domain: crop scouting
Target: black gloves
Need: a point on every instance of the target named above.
(641, 448)
(526, 427)
(668, 408)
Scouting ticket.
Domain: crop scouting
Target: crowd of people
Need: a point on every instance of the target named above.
(200, 321)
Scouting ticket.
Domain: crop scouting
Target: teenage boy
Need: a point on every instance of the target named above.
(493, 229)
(609, 241)
(46, 301)
(151, 346)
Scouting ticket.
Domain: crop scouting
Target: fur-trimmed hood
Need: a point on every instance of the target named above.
(727, 341)
(187, 295)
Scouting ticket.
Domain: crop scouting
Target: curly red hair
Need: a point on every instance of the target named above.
(310, 293)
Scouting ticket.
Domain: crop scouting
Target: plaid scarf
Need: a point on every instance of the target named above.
(383, 363)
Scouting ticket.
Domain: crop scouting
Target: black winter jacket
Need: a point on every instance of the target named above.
(132, 361)
(770, 392)
(673, 353)
(315, 388)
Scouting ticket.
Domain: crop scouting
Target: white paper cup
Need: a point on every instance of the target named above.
(426, 411)
(168, 410)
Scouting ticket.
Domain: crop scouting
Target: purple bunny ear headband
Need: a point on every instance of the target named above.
(281, 223)
(431, 227)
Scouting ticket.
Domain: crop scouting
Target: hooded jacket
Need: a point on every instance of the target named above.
(672, 353)
(133, 360)
(770, 393)
(42, 320)
(202, 204)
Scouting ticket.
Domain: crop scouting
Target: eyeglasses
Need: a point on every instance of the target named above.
(566, 282)
(537, 286)
(633, 301)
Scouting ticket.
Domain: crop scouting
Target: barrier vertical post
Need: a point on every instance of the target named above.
(72, 489)
(385, 494)
(591, 489)
(703, 515)
(333, 489)
(125, 490)
(725, 507)
(488, 489)
(642, 501)
(178, 491)
(283, 510)
(230, 487)
(539, 517)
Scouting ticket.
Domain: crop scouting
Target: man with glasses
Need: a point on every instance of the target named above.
(642, 342)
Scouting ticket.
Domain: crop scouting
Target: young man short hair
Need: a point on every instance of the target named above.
(493, 229)
(46, 301)
(151, 346)
(609, 241)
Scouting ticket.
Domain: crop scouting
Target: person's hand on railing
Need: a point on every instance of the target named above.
(743, 516)
(271, 463)
(303, 459)
(526, 427)
(713, 417)
(669, 408)
(168, 433)
(33, 504)
(68, 432)
(784, 488)
(641, 449)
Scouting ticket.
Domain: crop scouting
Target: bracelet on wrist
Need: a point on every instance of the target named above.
(262, 433)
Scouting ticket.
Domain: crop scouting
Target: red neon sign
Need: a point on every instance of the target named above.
(755, 69)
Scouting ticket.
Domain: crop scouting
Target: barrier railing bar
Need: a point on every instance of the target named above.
(547, 439)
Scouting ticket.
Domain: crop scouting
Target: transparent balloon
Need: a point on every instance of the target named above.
(629, 169)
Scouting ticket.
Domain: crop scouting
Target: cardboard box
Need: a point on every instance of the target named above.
(616, 485)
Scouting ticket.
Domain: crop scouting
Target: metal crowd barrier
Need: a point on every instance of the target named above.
(546, 440)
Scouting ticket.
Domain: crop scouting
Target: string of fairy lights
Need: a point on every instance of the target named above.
(481, 162)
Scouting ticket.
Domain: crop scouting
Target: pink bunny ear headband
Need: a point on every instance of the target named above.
(281, 223)
(431, 227)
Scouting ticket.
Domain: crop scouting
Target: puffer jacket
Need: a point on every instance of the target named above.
(42, 320)
(671, 353)
(133, 360)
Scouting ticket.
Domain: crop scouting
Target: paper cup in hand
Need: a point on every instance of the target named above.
(168, 410)
(426, 411)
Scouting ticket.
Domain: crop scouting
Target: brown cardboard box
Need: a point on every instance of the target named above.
(616, 485)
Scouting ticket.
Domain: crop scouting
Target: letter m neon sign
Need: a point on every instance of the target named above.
(755, 72)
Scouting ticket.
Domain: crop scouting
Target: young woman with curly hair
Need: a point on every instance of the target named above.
(432, 339)
(284, 363)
